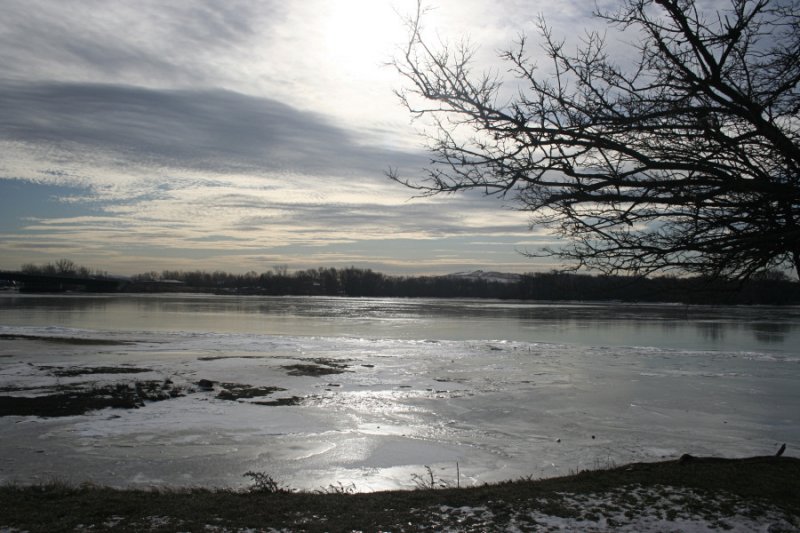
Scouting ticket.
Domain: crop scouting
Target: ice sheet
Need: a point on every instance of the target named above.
(482, 410)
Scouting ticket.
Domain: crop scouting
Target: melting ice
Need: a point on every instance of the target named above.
(369, 392)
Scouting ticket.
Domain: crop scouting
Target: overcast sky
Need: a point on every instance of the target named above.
(237, 135)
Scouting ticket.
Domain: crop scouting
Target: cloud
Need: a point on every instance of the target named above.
(217, 174)
(143, 42)
(214, 130)
(232, 132)
(227, 221)
(287, 51)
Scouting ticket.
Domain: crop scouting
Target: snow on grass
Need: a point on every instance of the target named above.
(627, 509)
(632, 508)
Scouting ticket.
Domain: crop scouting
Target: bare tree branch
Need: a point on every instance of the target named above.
(688, 160)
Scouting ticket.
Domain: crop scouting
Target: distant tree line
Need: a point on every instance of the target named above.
(63, 267)
(769, 288)
(766, 288)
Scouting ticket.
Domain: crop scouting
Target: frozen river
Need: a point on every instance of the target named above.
(367, 392)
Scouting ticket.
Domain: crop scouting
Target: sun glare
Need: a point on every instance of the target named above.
(360, 35)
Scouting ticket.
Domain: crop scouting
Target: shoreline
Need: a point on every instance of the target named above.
(727, 494)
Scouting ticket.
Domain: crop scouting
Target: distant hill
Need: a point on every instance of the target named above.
(480, 275)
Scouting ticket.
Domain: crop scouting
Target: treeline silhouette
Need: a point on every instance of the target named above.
(769, 288)
(766, 288)
(63, 267)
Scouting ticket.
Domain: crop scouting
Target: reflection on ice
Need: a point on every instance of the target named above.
(500, 408)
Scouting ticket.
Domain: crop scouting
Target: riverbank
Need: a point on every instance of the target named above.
(693, 494)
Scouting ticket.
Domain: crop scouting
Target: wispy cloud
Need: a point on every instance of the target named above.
(233, 133)
(211, 130)
(143, 42)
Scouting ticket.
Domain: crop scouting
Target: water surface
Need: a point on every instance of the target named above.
(612, 324)
(501, 388)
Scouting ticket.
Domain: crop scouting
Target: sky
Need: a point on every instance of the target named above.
(239, 136)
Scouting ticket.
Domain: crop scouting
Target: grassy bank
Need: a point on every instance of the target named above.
(724, 494)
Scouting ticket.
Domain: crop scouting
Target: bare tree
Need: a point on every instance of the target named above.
(66, 267)
(687, 160)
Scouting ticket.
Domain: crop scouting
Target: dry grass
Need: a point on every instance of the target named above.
(716, 489)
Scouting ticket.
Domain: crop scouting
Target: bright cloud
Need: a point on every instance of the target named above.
(237, 135)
